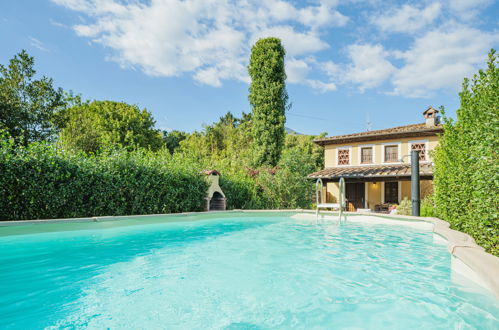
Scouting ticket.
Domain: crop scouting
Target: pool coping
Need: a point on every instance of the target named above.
(467, 255)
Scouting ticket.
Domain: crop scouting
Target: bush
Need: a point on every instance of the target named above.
(242, 192)
(428, 207)
(405, 207)
(467, 162)
(40, 182)
(289, 187)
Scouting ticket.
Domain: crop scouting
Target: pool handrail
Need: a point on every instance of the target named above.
(319, 186)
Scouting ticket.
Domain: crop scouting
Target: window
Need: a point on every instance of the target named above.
(343, 156)
(421, 147)
(391, 192)
(391, 154)
(366, 155)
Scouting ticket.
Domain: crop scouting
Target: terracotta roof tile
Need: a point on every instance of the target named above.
(374, 171)
(394, 132)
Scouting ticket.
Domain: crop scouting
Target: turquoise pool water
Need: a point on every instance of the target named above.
(232, 272)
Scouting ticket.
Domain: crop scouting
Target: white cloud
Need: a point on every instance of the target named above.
(209, 39)
(369, 67)
(331, 69)
(297, 70)
(441, 59)
(468, 9)
(295, 43)
(93, 6)
(407, 18)
(320, 16)
(37, 44)
(321, 86)
(312, 16)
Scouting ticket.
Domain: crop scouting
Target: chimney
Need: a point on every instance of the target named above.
(431, 117)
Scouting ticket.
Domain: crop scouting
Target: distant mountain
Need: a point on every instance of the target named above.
(291, 131)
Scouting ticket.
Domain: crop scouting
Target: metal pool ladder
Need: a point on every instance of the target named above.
(319, 199)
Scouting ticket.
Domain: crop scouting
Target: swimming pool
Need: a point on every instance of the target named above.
(232, 271)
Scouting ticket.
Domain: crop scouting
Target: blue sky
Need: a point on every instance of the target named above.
(348, 62)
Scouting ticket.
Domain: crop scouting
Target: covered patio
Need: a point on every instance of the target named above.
(373, 187)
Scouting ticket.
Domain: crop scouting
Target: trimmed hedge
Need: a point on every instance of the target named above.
(467, 161)
(40, 182)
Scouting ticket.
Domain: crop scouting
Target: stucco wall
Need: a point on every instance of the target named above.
(333, 192)
(373, 194)
(330, 151)
(406, 190)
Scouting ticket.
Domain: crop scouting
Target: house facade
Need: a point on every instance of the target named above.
(376, 165)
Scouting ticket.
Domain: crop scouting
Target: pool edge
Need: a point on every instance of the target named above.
(462, 246)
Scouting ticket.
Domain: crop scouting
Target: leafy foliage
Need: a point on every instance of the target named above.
(173, 138)
(467, 162)
(109, 159)
(289, 186)
(268, 99)
(40, 182)
(27, 105)
(428, 207)
(227, 146)
(92, 126)
(405, 207)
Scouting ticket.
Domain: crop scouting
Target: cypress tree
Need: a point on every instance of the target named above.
(268, 99)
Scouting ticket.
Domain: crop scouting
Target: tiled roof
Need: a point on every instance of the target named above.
(373, 171)
(394, 132)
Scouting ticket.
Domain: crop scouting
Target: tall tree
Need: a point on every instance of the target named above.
(268, 99)
(467, 161)
(173, 138)
(27, 105)
(91, 126)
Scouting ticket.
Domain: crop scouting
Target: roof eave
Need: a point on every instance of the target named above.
(364, 176)
(374, 137)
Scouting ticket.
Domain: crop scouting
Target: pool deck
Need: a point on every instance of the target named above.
(468, 259)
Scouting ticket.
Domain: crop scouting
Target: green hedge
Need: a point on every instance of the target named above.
(40, 182)
(43, 181)
(242, 192)
(467, 161)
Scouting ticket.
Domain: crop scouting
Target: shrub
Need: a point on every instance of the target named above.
(405, 207)
(289, 186)
(40, 182)
(242, 192)
(467, 161)
(428, 207)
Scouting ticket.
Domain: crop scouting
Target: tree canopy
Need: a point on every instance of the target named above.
(27, 105)
(91, 126)
(268, 99)
(173, 138)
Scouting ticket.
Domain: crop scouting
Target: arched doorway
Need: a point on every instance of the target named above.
(217, 202)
